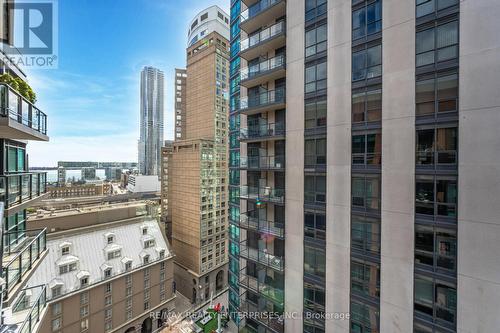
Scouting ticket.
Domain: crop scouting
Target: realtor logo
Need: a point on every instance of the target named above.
(34, 30)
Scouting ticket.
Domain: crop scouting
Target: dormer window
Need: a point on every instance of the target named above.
(111, 239)
(128, 265)
(84, 282)
(146, 259)
(144, 230)
(65, 250)
(162, 254)
(107, 273)
(63, 269)
(56, 291)
(114, 254)
(149, 243)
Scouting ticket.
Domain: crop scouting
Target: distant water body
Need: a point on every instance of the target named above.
(70, 174)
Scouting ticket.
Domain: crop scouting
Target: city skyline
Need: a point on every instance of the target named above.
(93, 109)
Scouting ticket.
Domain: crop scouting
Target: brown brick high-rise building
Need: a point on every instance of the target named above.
(196, 186)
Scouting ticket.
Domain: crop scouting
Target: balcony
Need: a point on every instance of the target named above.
(261, 13)
(272, 163)
(264, 102)
(262, 257)
(19, 118)
(268, 39)
(22, 188)
(265, 71)
(261, 132)
(27, 311)
(22, 249)
(266, 194)
(272, 293)
(262, 225)
(273, 323)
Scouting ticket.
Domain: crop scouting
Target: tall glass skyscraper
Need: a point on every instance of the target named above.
(151, 130)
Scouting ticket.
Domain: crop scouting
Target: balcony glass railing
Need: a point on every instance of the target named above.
(262, 162)
(271, 292)
(274, 321)
(18, 108)
(20, 255)
(262, 67)
(262, 36)
(262, 131)
(438, 158)
(262, 193)
(18, 188)
(263, 99)
(256, 9)
(262, 256)
(249, 221)
(30, 305)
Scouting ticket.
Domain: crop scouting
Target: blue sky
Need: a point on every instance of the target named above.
(92, 99)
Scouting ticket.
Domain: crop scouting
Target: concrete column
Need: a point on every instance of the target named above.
(294, 213)
(398, 166)
(338, 178)
(479, 168)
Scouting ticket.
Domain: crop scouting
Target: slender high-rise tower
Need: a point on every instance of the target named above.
(151, 131)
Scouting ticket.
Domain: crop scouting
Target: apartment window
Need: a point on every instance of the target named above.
(128, 291)
(366, 192)
(84, 282)
(84, 311)
(56, 291)
(365, 234)
(56, 309)
(365, 279)
(65, 250)
(436, 195)
(108, 313)
(315, 8)
(107, 287)
(367, 20)
(315, 114)
(128, 265)
(84, 325)
(314, 261)
(366, 105)
(107, 273)
(67, 268)
(146, 259)
(367, 149)
(162, 276)
(364, 318)
(128, 314)
(110, 239)
(315, 189)
(437, 44)
(128, 280)
(146, 305)
(314, 305)
(437, 146)
(315, 152)
(149, 243)
(315, 77)
(426, 7)
(162, 265)
(56, 324)
(435, 299)
(147, 294)
(437, 94)
(315, 226)
(84, 297)
(316, 40)
(436, 248)
(107, 300)
(147, 283)
(108, 325)
(128, 303)
(367, 63)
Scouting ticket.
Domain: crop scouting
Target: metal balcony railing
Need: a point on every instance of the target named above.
(262, 162)
(262, 256)
(18, 108)
(18, 188)
(263, 99)
(262, 193)
(262, 36)
(248, 221)
(21, 250)
(30, 305)
(262, 67)
(276, 295)
(262, 131)
(256, 9)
